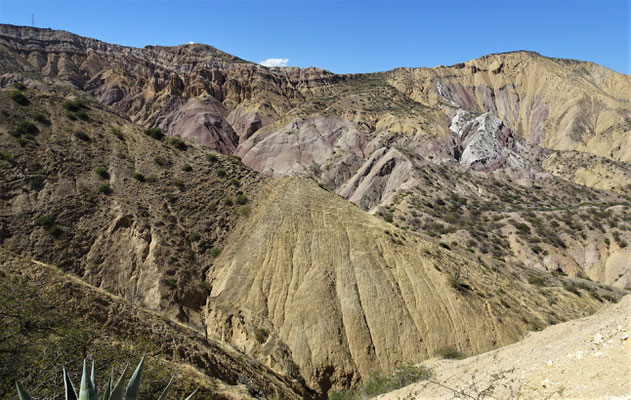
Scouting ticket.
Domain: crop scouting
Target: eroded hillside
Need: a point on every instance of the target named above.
(351, 295)
(436, 208)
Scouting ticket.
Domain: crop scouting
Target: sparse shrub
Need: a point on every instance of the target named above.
(379, 383)
(155, 133)
(102, 172)
(444, 245)
(55, 230)
(45, 220)
(19, 86)
(82, 136)
(244, 211)
(228, 202)
(178, 143)
(82, 115)
(194, 237)
(24, 128)
(570, 287)
(211, 157)
(187, 168)
(161, 161)
(388, 217)
(242, 199)
(450, 353)
(222, 173)
(36, 182)
(19, 98)
(74, 105)
(215, 251)
(105, 188)
(261, 335)
(235, 158)
(48, 223)
(117, 132)
(234, 182)
(71, 116)
(178, 183)
(41, 118)
(6, 155)
(138, 176)
(536, 280)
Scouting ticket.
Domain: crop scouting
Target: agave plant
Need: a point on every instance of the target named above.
(88, 391)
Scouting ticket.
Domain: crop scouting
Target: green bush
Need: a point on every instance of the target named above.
(117, 132)
(234, 182)
(228, 202)
(379, 383)
(194, 237)
(242, 199)
(261, 335)
(36, 182)
(244, 211)
(215, 251)
(19, 98)
(138, 176)
(536, 280)
(6, 155)
(41, 118)
(450, 353)
(102, 172)
(19, 86)
(82, 115)
(71, 116)
(105, 188)
(187, 168)
(161, 161)
(45, 220)
(48, 223)
(235, 158)
(222, 173)
(211, 157)
(155, 133)
(74, 105)
(178, 183)
(24, 128)
(178, 143)
(82, 136)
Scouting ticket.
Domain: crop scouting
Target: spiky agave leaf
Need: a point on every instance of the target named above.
(108, 387)
(71, 393)
(93, 395)
(166, 389)
(191, 395)
(134, 382)
(22, 394)
(84, 390)
(119, 391)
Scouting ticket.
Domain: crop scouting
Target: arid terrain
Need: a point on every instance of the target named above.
(288, 233)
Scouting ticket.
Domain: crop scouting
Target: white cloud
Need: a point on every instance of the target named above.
(275, 62)
(191, 42)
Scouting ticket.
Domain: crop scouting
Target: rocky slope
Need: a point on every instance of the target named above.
(586, 358)
(60, 318)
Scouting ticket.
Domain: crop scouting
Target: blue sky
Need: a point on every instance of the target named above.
(351, 36)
